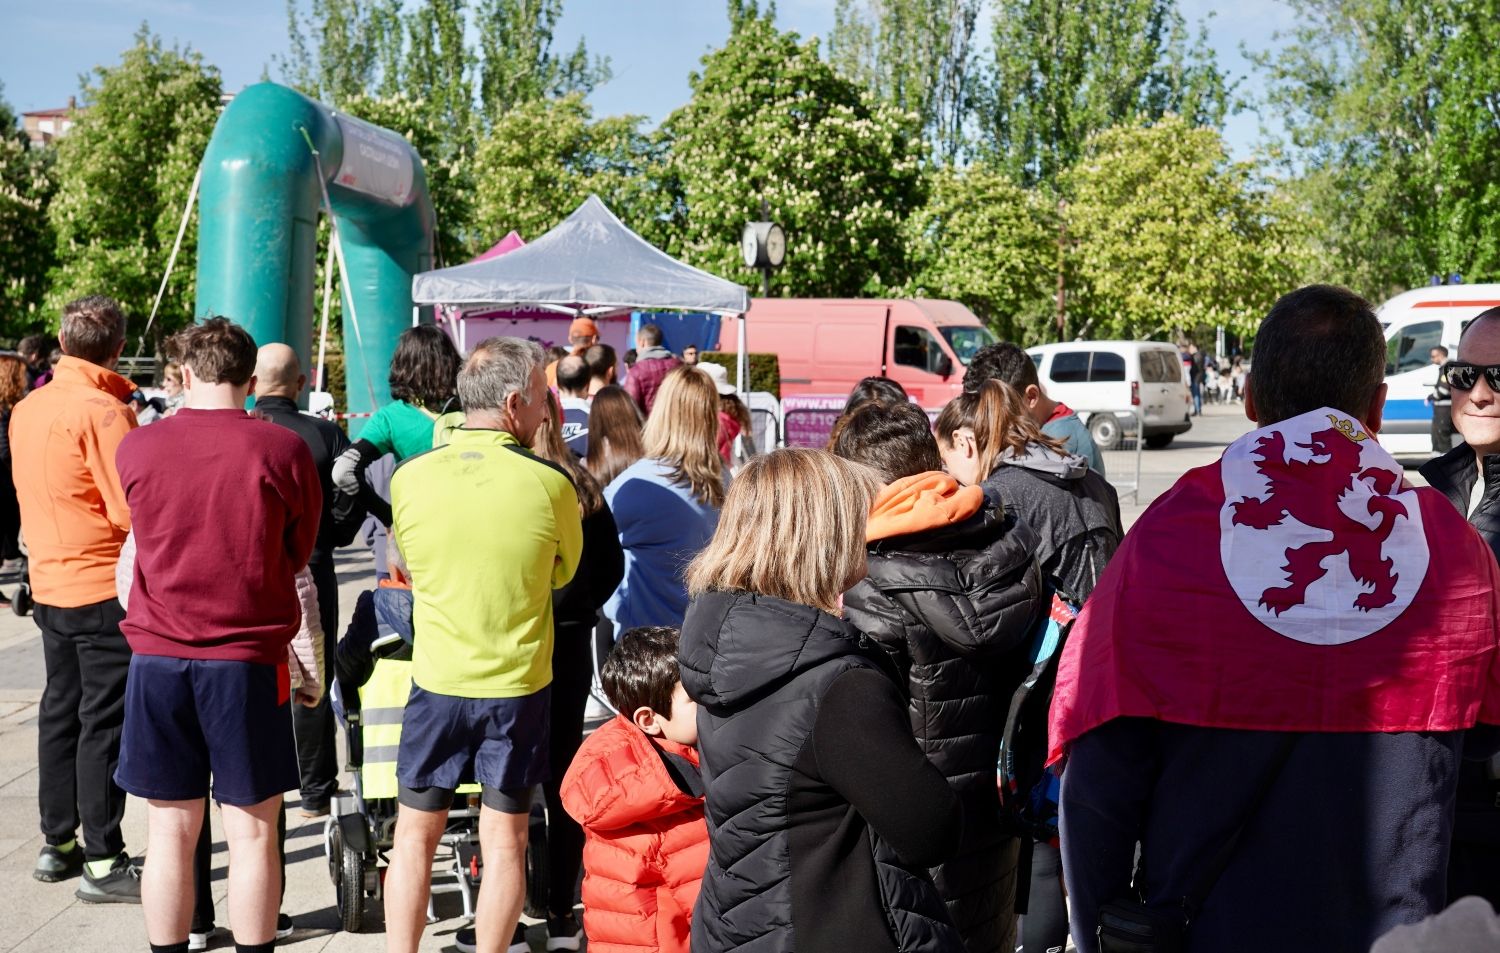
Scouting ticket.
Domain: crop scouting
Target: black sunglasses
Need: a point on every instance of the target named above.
(1462, 375)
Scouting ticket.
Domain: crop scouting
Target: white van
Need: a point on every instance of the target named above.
(1097, 377)
(1415, 322)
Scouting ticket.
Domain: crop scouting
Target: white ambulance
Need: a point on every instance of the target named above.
(1415, 322)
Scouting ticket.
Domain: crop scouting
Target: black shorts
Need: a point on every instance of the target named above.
(189, 719)
(447, 740)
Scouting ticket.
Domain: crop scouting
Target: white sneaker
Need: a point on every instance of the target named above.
(197, 942)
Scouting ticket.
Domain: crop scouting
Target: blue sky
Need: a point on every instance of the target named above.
(652, 44)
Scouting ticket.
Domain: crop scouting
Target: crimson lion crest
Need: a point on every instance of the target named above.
(1310, 492)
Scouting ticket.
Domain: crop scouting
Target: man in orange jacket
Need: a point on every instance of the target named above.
(74, 519)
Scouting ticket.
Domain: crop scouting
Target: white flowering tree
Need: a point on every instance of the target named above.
(838, 169)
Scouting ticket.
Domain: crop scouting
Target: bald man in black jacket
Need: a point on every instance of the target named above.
(278, 382)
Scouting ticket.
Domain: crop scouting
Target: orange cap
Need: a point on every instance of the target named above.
(581, 327)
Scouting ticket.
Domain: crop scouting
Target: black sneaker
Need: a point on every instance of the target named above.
(121, 885)
(466, 941)
(53, 865)
(284, 926)
(564, 933)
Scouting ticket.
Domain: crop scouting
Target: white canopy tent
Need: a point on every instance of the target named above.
(589, 264)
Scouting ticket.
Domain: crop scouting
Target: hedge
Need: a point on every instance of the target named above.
(765, 369)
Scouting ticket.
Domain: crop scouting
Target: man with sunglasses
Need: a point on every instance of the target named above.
(1469, 475)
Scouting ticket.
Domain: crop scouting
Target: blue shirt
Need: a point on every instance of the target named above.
(663, 526)
(575, 424)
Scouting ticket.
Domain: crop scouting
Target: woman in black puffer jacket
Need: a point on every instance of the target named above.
(952, 595)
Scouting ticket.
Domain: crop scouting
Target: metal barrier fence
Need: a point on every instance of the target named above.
(1118, 434)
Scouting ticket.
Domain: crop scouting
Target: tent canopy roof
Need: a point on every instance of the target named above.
(590, 262)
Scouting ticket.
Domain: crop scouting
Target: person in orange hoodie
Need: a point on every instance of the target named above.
(74, 518)
(953, 594)
(634, 787)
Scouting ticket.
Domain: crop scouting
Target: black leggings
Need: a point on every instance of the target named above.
(572, 671)
(1044, 929)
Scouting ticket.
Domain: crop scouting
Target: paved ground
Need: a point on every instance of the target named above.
(1219, 426)
(46, 917)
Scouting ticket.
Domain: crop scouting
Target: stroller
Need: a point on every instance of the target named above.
(361, 826)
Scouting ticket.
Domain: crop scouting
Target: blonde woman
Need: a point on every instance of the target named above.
(822, 811)
(666, 504)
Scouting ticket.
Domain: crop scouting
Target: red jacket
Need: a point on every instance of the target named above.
(645, 841)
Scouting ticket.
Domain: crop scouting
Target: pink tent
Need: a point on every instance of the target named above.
(507, 244)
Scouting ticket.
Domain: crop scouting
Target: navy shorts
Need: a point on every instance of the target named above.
(189, 719)
(447, 741)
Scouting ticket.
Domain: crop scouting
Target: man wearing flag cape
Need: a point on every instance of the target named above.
(1272, 686)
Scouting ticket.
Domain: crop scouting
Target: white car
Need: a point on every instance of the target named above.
(1104, 380)
(1415, 322)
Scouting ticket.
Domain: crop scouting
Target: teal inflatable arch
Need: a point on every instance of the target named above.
(257, 234)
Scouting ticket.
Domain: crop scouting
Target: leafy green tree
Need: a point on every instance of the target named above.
(917, 54)
(545, 156)
(839, 169)
(123, 176)
(26, 242)
(344, 48)
(1066, 69)
(991, 244)
(1166, 235)
(517, 64)
(1392, 112)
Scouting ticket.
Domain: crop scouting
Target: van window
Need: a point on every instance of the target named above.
(1107, 367)
(1160, 367)
(916, 347)
(1070, 367)
(1408, 350)
(966, 340)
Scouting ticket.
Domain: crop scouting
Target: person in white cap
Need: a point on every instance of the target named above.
(736, 431)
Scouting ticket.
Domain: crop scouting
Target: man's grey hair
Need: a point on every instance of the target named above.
(497, 368)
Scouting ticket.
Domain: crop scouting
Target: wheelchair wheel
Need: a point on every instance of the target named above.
(536, 865)
(348, 868)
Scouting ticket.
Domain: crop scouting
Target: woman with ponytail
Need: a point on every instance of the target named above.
(989, 439)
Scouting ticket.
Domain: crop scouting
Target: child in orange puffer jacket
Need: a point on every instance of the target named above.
(634, 787)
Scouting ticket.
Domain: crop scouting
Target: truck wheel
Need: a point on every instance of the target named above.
(1158, 441)
(1105, 429)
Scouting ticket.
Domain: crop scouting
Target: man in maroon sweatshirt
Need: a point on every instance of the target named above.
(226, 512)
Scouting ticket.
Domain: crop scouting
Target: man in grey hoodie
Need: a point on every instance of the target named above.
(653, 363)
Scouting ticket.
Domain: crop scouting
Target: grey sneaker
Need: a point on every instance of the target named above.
(121, 885)
(53, 865)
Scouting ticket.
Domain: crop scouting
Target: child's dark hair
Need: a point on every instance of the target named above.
(424, 369)
(641, 671)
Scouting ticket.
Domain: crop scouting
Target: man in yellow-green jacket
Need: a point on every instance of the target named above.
(488, 531)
